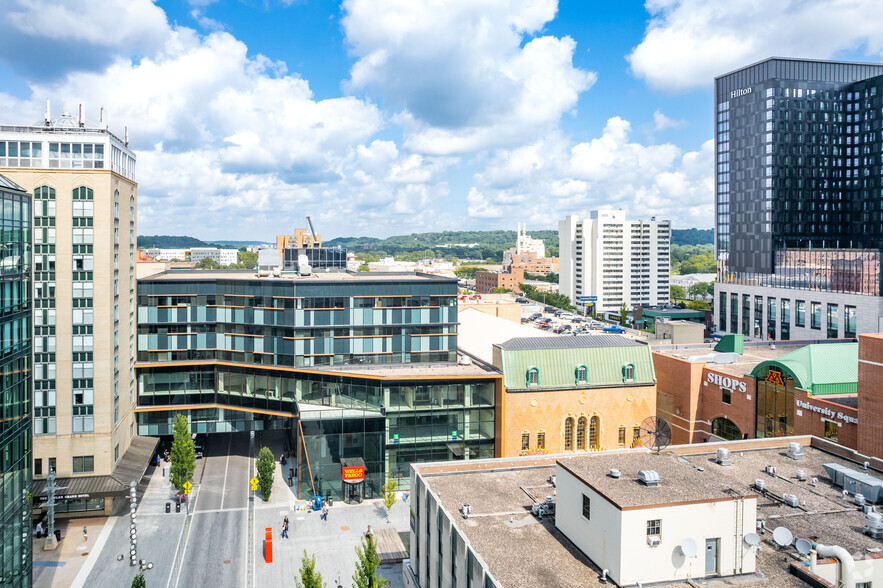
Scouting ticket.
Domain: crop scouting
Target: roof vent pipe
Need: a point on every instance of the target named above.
(47, 116)
(847, 563)
(80, 117)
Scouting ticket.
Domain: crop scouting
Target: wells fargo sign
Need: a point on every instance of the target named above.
(353, 473)
(774, 377)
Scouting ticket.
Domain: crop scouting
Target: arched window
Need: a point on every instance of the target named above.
(621, 436)
(541, 439)
(131, 210)
(581, 374)
(581, 434)
(725, 429)
(525, 441)
(594, 433)
(568, 434)
(533, 377)
(628, 372)
(116, 205)
(83, 193)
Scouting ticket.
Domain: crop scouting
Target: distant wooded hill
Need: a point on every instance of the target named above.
(183, 242)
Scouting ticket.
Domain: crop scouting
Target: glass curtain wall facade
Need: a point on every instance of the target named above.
(15, 386)
(775, 406)
(244, 354)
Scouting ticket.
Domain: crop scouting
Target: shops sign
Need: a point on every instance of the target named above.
(824, 411)
(774, 377)
(726, 382)
(353, 473)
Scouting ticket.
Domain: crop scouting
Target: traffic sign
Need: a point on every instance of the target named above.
(254, 483)
(187, 487)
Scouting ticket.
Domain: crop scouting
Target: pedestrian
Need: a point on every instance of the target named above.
(324, 511)
(369, 532)
(157, 460)
(39, 531)
(285, 527)
(85, 535)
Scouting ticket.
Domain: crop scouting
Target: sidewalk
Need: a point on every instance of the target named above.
(61, 566)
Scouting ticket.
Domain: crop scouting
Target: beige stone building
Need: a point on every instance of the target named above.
(82, 179)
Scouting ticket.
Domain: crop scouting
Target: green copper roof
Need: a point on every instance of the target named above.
(557, 367)
(819, 369)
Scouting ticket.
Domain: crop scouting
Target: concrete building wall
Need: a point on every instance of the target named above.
(680, 332)
(868, 309)
(870, 395)
(546, 411)
(113, 328)
(599, 536)
(697, 521)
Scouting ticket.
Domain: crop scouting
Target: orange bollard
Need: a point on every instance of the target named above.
(268, 544)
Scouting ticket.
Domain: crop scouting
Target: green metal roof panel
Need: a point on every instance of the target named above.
(557, 367)
(829, 368)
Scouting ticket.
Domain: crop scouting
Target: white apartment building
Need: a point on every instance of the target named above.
(524, 244)
(166, 254)
(82, 178)
(221, 256)
(614, 260)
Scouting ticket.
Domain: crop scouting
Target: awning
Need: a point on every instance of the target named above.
(130, 468)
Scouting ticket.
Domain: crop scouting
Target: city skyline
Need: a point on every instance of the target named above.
(406, 117)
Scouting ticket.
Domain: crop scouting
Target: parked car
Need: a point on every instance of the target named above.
(549, 309)
(545, 327)
(596, 325)
(522, 300)
(614, 329)
(535, 316)
(567, 316)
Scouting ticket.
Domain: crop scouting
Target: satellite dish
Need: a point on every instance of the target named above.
(688, 547)
(803, 546)
(783, 536)
(655, 433)
(752, 539)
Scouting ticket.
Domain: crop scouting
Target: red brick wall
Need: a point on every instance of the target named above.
(711, 405)
(809, 422)
(870, 397)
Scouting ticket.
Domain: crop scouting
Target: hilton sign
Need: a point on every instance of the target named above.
(739, 92)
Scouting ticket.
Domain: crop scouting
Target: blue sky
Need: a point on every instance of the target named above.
(382, 117)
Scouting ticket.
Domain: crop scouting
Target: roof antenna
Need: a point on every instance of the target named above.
(101, 115)
(80, 121)
(48, 117)
(127, 135)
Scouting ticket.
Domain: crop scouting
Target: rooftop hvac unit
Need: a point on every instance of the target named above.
(771, 470)
(856, 482)
(795, 450)
(801, 476)
(653, 540)
(649, 477)
(615, 473)
(723, 457)
(760, 485)
(874, 524)
(791, 500)
(859, 500)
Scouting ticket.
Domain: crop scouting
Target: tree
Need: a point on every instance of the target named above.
(623, 314)
(388, 492)
(207, 263)
(309, 577)
(183, 453)
(678, 292)
(467, 272)
(266, 468)
(363, 268)
(501, 290)
(366, 568)
(139, 581)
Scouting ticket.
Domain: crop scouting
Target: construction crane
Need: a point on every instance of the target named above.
(313, 231)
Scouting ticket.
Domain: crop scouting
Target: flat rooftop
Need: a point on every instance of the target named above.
(743, 365)
(509, 534)
(194, 274)
(407, 370)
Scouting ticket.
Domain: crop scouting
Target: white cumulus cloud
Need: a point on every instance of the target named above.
(689, 42)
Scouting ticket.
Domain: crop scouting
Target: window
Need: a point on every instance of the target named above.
(581, 433)
(38, 467)
(541, 439)
(525, 441)
(726, 395)
(582, 375)
(725, 429)
(116, 453)
(594, 432)
(800, 314)
(816, 315)
(832, 430)
(84, 464)
(654, 528)
(533, 377)
(587, 507)
(628, 373)
(849, 322)
(833, 324)
(636, 434)
(568, 434)
(621, 436)
(52, 464)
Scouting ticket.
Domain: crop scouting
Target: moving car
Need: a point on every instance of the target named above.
(614, 329)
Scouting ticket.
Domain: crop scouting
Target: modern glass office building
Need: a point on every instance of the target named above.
(15, 385)
(798, 199)
(353, 366)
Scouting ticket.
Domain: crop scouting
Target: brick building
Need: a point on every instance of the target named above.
(870, 403)
(532, 264)
(763, 392)
(486, 282)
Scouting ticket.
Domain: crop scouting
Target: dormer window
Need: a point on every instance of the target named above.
(582, 374)
(533, 377)
(628, 372)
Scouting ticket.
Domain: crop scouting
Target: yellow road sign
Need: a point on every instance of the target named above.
(187, 487)
(254, 483)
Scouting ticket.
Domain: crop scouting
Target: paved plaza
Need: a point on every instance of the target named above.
(220, 541)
